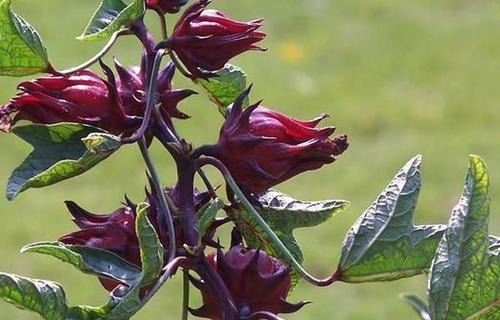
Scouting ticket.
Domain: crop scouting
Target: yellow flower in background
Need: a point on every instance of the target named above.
(292, 51)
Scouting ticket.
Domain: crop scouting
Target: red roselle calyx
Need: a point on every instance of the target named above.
(256, 281)
(205, 40)
(262, 147)
(131, 84)
(166, 6)
(115, 105)
(116, 231)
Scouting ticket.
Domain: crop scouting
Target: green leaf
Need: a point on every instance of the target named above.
(22, 52)
(464, 282)
(61, 151)
(407, 256)
(89, 260)
(384, 244)
(43, 297)
(152, 262)
(418, 305)
(225, 87)
(206, 215)
(111, 16)
(87, 313)
(285, 214)
(150, 245)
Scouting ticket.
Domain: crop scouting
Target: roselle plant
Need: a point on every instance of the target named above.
(78, 118)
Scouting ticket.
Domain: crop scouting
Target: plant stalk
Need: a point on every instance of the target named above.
(185, 295)
(95, 58)
(150, 100)
(263, 224)
(162, 199)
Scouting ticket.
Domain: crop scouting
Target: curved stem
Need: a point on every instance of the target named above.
(162, 199)
(163, 22)
(166, 129)
(143, 34)
(185, 295)
(179, 66)
(95, 58)
(263, 224)
(150, 100)
(207, 183)
(168, 271)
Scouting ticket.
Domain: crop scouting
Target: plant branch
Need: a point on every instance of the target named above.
(263, 224)
(95, 58)
(168, 271)
(207, 183)
(179, 66)
(163, 22)
(185, 295)
(150, 100)
(162, 199)
(143, 34)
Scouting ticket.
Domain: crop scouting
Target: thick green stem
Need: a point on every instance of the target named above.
(165, 209)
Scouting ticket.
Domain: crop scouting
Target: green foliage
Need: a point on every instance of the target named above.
(150, 245)
(206, 215)
(111, 16)
(87, 313)
(61, 151)
(48, 299)
(225, 86)
(89, 260)
(465, 275)
(22, 51)
(384, 244)
(151, 260)
(285, 214)
(43, 297)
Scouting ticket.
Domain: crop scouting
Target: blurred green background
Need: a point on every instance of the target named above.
(399, 77)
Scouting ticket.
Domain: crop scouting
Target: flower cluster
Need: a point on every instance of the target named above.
(257, 149)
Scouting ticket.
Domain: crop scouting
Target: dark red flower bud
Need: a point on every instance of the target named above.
(131, 84)
(207, 39)
(256, 281)
(263, 148)
(116, 105)
(116, 231)
(82, 97)
(166, 6)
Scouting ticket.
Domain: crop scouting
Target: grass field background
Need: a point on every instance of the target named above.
(399, 77)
